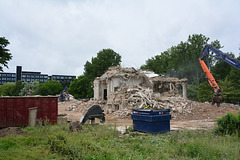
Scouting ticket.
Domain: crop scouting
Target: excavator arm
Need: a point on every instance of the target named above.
(219, 55)
(209, 76)
(217, 93)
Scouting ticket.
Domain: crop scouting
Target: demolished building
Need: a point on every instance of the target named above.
(126, 88)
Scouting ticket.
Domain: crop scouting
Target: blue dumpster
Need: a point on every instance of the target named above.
(151, 121)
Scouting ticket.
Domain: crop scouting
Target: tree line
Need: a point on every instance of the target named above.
(179, 61)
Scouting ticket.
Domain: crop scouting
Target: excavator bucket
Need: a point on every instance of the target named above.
(217, 98)
(91, 113)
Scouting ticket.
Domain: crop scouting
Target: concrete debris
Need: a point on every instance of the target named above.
(126, 88)
(124, 100)
(119, 90)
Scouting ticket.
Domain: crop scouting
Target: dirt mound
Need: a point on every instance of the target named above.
(10, 130)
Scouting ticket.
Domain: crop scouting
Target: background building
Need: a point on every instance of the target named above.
(29, 76)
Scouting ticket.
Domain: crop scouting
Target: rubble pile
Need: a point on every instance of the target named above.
(119, 90)
(121, 102)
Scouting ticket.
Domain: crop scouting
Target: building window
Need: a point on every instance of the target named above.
(32, 76)
(24, 76)
(53, 77)
(28, 76)
(3, 78)
(62, 77)
(45, 76)
(70, 77)
(4, 75)
(9, 75)
(13, 75)
(28, 80)
(36, 76)
(58, 77)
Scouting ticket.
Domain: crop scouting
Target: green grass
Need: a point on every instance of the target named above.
(105, 142)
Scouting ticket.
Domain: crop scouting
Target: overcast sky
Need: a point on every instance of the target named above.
(59, 36)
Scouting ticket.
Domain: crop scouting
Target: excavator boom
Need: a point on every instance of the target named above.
(209, 76)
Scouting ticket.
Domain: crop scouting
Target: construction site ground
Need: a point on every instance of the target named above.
(203, 115)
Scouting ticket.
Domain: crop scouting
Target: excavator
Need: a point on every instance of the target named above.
(219, 55)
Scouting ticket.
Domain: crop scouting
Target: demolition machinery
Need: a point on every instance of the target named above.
(219, 55)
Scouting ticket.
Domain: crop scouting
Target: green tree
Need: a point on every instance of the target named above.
(25, 90)
(34, 86)
(182, 60)
(231, 86)
(192, 90)
(221, 69)
(205, 92)
(7, 89)
(17, 88)
(99, 65)
(158, 64)
(79, 87)
(105, 59)
(50, 87)
(5, 55)
(229, 92)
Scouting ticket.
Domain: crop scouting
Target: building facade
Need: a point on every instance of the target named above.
(29, 76)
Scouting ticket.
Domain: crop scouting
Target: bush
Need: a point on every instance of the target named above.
(228, 124)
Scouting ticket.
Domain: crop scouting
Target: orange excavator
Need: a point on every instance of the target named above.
(219, 55)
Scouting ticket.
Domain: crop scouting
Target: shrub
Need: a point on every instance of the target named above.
(228, 124)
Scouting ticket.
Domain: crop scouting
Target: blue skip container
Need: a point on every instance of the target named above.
(151, 121)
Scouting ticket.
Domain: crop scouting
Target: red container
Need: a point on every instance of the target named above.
(14, 111)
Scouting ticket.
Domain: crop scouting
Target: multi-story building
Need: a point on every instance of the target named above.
(29, 76)
(7, 77)
(62, 78)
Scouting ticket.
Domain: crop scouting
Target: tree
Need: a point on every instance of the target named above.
(192, 90)
(50, 87)
(205, 92)
(105, 59)
(158, 64)
(17, 88)
(34, 86)
(7, 89)
(5, 56)
(25, 90)
(182, 60)
(221, 69)
(231, 86)
(79, 87)
(100, 64)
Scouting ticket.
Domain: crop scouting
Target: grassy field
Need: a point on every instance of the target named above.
(105, 142)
